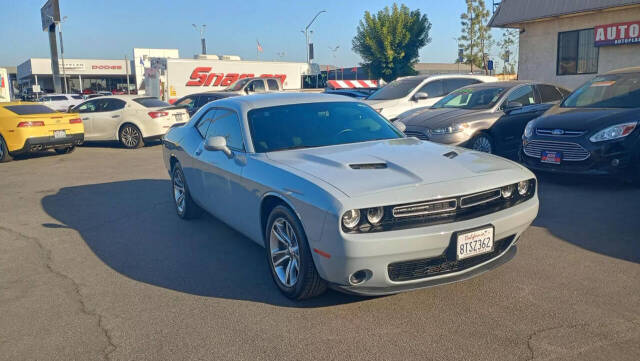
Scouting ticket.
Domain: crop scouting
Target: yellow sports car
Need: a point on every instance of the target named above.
(32, 127)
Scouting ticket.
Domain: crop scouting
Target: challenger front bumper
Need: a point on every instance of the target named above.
(375, 252)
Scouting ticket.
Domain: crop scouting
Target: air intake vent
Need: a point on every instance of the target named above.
(450, 155)
(368, 166)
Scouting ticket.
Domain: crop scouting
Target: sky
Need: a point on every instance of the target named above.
(110, 29)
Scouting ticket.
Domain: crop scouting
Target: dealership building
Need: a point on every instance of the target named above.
(567, 42)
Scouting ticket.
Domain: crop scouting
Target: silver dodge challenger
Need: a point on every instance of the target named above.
(341, 198)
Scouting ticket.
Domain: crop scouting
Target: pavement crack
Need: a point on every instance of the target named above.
(84, 308)
(547, 329)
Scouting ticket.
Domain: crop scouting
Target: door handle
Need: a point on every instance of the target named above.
(115, 116)
(87, 118)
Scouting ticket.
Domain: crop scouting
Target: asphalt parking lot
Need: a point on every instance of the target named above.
(94, 264)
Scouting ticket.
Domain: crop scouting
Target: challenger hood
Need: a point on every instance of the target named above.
(377, 166)
(584, 118)
(441, 117)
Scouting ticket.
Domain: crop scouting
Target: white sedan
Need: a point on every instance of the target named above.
(129, 119)
(61, 102)
(340, 198)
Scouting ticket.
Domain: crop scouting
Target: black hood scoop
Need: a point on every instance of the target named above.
(368, 166)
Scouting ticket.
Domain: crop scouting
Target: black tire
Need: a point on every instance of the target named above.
(189, 209)
(66, 150)
(130, 137)
(4, 152)
(482, 142)
(308, 283)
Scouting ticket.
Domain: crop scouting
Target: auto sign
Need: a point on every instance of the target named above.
(617, 34)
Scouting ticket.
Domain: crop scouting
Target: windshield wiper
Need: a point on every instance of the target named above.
(296, 147)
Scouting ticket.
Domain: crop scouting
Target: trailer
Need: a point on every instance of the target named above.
(5, 86)
(170, 79)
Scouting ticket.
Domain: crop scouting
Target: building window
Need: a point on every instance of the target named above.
(577, 53)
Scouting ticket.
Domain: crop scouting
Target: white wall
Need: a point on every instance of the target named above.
(539, 47)
(139, 55)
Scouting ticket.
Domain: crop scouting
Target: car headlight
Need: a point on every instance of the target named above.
(456, 128)
(523, 187)
(351, 218)
(507, 191)
(528, 130)
(374, 215)
(614, 132)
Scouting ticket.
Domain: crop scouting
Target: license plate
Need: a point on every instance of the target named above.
(474, 243)
(59, 134)
(551, 157)
(178, 117)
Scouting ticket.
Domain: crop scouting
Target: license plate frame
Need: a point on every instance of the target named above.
(178, 117)
(59, 134)
(472, 239)
(551, 157)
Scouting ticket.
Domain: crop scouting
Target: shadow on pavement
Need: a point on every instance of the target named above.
(598, 214)
(132, 227)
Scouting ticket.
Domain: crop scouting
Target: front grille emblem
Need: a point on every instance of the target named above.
(557, 132)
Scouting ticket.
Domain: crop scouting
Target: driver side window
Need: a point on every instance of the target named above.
(434, 89)
(523, 95)
(227, 125)
(256, 86)
(86, 107)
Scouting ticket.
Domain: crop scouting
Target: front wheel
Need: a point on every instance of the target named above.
(131, 137)
(4, 151)
(289, 257)
(66, 150)
(185, 206)
(482, 143)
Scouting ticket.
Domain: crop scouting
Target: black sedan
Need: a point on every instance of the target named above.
(594, 131)
(193, 102)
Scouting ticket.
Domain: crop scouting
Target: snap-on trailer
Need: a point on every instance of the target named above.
(170, 79)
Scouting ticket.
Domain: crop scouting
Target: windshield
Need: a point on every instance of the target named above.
(471, 98)
(28, 109)
(607, 91)
(316, 125)
(397, 89)
(238, 85)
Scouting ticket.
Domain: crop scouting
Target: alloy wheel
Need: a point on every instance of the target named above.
(482, 144)
(130, 136)
(179, 191)
(285, 252)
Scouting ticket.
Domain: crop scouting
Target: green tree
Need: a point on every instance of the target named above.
(389, 41)
(506, 45)
(476, 39)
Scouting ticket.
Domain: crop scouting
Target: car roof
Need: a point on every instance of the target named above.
(448, 76)
(506, 84)
(634, 69)
(247, 102)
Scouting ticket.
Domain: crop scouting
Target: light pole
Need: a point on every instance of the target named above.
(334, 50)
(59, 25)
(201, 30)
(306, 32)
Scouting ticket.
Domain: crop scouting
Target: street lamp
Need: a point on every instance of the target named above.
(201, 30)
(59, 25)
(306, 32)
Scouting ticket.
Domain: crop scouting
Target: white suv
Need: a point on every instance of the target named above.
(412, 92)
(61, 102)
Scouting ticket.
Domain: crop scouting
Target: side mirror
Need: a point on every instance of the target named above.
(513, 105)
(247, 91)
(420, 96)
(217, 144)
(400, 126)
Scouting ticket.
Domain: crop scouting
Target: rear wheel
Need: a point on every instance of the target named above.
(66, 150)
(289, 257)
(131, 137)
(185, 206)
(4, 151)
(482, 143)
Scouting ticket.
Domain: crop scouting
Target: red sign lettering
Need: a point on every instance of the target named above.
(108, 67)
(617, 34)
(202, 76)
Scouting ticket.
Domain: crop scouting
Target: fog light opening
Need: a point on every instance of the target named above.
(359, 277)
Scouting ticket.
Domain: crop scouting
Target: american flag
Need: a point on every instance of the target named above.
(259, 46)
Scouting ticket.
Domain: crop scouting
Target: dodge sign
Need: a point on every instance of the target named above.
(617, 34)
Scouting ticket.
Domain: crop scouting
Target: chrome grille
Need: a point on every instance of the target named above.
(419, 135)
(559, 132)
(479, 198)
(417, 209)
(570, 151)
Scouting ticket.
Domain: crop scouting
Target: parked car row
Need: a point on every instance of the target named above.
(589, 131)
